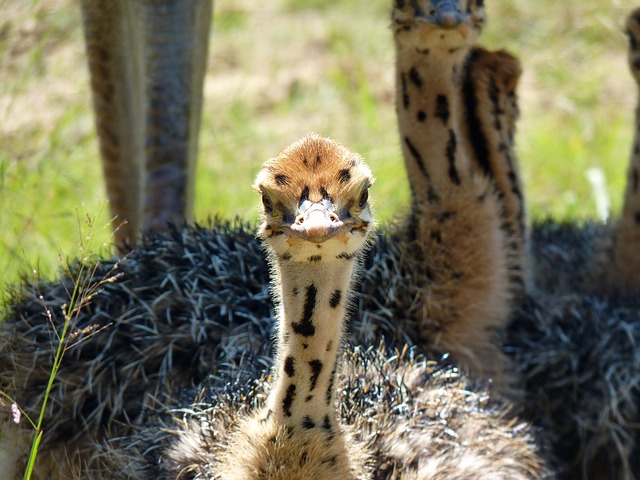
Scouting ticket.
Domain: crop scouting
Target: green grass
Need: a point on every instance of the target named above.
(279, 69)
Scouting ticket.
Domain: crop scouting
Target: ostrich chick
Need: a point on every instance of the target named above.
(316, 224)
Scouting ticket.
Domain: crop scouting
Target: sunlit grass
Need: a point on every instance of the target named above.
(279, 69)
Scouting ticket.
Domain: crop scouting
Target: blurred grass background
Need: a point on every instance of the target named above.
(281, 68)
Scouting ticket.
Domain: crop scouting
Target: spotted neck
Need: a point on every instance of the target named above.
(429, 106)
(312, 308)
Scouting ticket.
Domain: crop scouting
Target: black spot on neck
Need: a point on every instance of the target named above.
(451, 157)
(421, 116)
(442, 108)
(415, 77)
(335, 299)
(289, 366)
(326, 423)
(316, 370)
(494, 96)
(479, 141)
(405, 93)
(306, 327)
(329, 392)
(287, 402)
(416, 156)
(307, 423)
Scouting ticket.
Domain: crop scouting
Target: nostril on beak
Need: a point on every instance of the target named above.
(333, 217)
(449, 20)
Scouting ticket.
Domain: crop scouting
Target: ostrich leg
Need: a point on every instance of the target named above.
(625, 270)
(147, 62)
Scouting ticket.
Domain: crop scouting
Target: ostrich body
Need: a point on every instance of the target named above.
(407, 417)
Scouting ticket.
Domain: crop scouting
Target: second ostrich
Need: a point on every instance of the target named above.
(316, 224)
(315, 227)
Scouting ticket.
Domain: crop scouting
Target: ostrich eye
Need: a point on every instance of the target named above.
(266, 203)
(363, 198)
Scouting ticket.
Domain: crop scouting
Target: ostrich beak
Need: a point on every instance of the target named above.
(318, 223)
(446, 14)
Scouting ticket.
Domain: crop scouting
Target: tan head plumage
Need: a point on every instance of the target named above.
(314, 196)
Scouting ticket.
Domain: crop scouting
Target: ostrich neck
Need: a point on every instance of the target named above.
(429, 109)
(313, 300)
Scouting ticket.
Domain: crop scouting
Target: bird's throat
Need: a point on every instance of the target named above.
(313, 303)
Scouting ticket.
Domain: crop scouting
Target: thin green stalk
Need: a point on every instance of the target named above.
(83, 291)
(60, 350)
